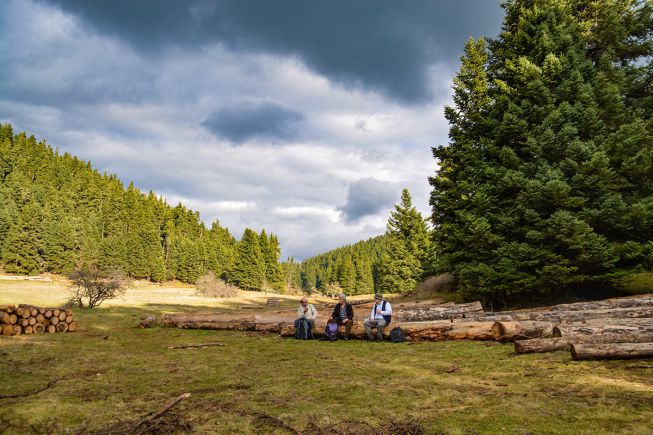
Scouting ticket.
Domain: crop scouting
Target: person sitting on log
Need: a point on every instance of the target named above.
(380, 316)
(343, 314)
(306, 311)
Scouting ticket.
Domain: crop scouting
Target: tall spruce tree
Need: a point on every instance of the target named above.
(401, 266)
(249, 266)
(546, 183)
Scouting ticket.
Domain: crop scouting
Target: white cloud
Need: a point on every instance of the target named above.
(141, 118)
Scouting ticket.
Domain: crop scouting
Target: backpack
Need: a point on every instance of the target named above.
(397, 335)
(303, 330)
(331, 331)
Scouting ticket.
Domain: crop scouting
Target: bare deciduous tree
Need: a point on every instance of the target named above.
(91, 286)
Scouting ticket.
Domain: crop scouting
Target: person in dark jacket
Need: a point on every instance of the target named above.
(343, 314)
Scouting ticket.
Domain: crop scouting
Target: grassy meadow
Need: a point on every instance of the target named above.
(110, 375)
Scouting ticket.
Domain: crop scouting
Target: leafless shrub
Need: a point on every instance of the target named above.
(91, 286)
(210, 286)
(436, 284)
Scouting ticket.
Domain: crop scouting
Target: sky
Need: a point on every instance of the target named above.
(303, 117)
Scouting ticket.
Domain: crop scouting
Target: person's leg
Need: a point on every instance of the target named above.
(367, 323)
(348, 328)
(379, 328)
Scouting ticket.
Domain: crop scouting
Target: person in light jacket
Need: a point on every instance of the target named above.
(306, 311)
(379, 317)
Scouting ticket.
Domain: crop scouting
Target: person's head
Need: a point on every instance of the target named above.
(342, 298)
(378, 298)
(304, 301)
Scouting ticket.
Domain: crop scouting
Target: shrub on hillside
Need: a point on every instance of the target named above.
(436, 284)
(210, 286)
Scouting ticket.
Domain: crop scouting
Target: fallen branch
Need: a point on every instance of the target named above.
(196, 346)
(165, 409)
(12, 396)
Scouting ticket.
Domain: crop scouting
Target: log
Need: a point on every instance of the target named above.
(9, 309)
(510, 331)
(416, 331)
(25, 313)
(7, 330)
(28, 330)
(588, 351)
(32, 321)
(40, 318)
(627, 302)
(13, 319)
(62, 316)
(579, 316)
(4, 317)
(541, 345)
(33, 311)
(69, 319)
(51, 329)
(17, 329)
(55, 312)
(48, 313)
(41, 310)
(39, 328)
(72, 327)
(429, 313)
(62, 327)
(24, 322)
(571, 330)
(54, 320)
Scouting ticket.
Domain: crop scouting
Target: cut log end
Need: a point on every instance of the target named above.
(62, 327)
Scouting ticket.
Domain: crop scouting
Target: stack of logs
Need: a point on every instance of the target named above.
(28, 319)
(613, 328)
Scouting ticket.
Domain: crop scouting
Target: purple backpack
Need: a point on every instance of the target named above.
(331, 331)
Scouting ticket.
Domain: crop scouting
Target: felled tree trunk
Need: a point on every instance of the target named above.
(510, 331)
(609, 334)
(586, 351)
(438, 312)
(541, 345)
(580, 316)
(426, 331)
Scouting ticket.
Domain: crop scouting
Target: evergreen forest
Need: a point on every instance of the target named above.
(58, 213)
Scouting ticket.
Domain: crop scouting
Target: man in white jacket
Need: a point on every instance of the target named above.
(379, 317)
(306, 311)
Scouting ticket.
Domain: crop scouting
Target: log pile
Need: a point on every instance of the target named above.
(622, 325)
(611, 329)
(28, 319)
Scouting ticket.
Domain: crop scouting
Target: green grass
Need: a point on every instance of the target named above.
(112, 374)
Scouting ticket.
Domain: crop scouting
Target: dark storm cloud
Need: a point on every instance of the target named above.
(384, 46)
(242, 123)
(367, 197)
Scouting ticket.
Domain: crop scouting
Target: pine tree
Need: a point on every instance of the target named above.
(533, 192)
(397, 268)
(249, 266)
(408, 225)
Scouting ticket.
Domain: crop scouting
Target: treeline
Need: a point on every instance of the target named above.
(57, 212)
(392, 263)
(547, 182)
(352, 268)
